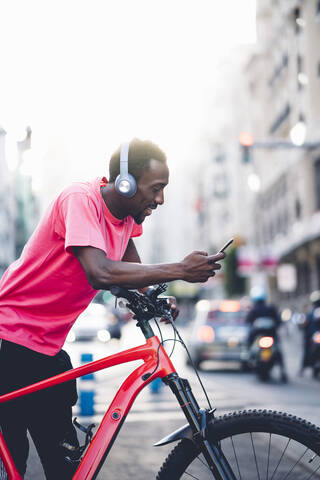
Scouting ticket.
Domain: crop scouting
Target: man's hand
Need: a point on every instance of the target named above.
(174, 309)
(199, 266)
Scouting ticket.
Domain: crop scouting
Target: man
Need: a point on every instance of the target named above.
(261, 309)
(82, 244)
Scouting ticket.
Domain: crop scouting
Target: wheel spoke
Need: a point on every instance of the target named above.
(235, 456)
(313, 473)
(255, 457)
(256, 446)
(293, 467)
(232, 453)
(284, 451)
(269, 448)
(190, 475)
(203, 463)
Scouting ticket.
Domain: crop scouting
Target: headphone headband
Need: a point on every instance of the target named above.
(124, 157)
(125, 183)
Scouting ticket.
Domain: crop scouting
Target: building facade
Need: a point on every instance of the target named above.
(272, 202)
(284, 90)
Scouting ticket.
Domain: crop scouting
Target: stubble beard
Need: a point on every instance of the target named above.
(139, 218)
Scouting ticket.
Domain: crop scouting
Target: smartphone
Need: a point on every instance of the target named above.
(226, 246)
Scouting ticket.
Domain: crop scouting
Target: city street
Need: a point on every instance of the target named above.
(161, 143)
(154, 415)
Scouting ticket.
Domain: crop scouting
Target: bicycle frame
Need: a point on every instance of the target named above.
(118, 409)
(155, 359)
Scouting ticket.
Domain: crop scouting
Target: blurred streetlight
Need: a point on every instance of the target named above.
(298, 133)
(246, 141)
(303, 79)
(254, 182)
(301, 22)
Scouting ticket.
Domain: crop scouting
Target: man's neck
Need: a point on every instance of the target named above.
(112, 201)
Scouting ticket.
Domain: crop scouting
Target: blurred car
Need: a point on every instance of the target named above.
(220, 333)
(95, 323)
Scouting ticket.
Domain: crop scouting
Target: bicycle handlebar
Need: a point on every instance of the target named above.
(145, 306)
(121, 292)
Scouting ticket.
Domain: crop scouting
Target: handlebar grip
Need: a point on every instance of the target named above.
(120, 292)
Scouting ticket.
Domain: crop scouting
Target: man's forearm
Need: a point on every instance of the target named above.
(136, 275)
(102, 272)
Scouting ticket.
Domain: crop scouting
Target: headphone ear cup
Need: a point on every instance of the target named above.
(126, 185)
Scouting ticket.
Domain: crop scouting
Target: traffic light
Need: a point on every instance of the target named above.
(246, 142)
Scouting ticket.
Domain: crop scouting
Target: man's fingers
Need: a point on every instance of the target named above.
(215, 266)
(175, 311)
(174, 308)
(216, 258)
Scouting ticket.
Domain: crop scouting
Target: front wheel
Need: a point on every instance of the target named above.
(259, 445)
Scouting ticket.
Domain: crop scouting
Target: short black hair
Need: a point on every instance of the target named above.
(141, 152)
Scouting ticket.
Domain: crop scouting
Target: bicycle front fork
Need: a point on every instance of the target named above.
(198, 420)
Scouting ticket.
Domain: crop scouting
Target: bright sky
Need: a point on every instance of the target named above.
(86, 75)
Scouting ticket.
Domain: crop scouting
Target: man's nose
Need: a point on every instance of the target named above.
(159, 197)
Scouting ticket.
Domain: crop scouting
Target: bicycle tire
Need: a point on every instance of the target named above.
(272, 461)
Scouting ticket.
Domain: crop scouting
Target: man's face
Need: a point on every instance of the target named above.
(149, 191)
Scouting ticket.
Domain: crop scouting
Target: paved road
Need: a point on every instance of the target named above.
(155, 415)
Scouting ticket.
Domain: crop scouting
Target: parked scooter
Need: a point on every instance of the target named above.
(264, 349)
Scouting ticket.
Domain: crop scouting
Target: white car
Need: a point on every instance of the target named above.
(220, 333)
(91, 324)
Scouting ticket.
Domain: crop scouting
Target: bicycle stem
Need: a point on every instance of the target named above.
(145, 328)
(213, 454)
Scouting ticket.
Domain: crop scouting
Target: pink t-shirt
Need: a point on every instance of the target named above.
(44, 291)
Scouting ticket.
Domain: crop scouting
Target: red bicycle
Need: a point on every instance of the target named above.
(239, 446)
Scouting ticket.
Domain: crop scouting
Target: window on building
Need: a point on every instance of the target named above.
(281, 117)
(220, 185)
(257, 238)
(279, 224)
(304, 278)
(300, 22)
(298, 208)
(271, 231)
(318, 11)
(285, 221)
(302, 79)
(279, 69)
(265, 234)
(220, 158)
(297, 20)
(317, 180)
(302, 118)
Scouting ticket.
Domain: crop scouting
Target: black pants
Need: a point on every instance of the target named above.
(47, 414)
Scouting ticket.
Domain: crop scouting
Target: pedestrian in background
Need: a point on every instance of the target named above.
(310, 326)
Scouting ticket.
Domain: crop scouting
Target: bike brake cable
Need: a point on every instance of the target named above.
(158, 326)
(161, 336)
(190, 358)
(180, 340)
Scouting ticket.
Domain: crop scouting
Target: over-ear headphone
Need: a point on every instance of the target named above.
(125, 183)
